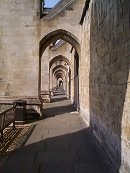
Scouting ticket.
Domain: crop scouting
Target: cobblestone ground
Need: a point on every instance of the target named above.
(61, 143)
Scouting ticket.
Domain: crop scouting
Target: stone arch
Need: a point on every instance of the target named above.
(59, 71)
(51, 37)
(59, 75)
(53, 66)
(62, 72)
(59, 67)
(59, 34)
(58, 58)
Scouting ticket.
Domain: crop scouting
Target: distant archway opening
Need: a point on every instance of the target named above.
(53, 37)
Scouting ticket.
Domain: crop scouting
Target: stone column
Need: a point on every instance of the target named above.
(45, 93)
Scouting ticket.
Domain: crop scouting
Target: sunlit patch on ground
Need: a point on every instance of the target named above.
(13, 139)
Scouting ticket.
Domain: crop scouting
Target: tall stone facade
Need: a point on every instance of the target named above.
(21, 30)
(98, 52)
(19, 40)
(105, 81)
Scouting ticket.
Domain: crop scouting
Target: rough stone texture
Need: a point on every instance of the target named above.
(105, 81)
(104, 64)
(19, 48)
(85, 69)
(20, 32)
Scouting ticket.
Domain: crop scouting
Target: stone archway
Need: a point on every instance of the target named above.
(60, 73)
(52, 37)
(59, 34)
(58, 58)
(62, 62)
(66, 82)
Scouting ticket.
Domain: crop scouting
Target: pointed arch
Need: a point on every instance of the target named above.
(51, 37)
(59, 34)
(58, 58)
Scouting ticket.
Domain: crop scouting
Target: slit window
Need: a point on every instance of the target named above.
(46, 5)
(50, 3)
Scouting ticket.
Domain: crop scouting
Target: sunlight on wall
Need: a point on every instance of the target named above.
(125, 140)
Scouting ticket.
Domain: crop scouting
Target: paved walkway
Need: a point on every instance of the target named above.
(61, 143)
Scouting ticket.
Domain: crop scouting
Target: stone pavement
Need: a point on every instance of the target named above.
(61, 143)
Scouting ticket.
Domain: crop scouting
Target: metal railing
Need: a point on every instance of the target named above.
(6, 118)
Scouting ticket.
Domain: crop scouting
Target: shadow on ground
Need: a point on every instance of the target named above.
(32, 116)
(69, 153)
(54, 111)
(56, 99)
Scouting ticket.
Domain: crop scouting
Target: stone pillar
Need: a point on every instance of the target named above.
(67, 84)
(51, 79)
(45, 82)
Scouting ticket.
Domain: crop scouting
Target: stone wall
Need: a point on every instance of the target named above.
(18, 48)
(67, 20)
(21, 30)
(105, 91)
(104, 64)
(85, 69)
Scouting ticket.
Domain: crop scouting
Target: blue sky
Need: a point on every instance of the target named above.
(50, 3)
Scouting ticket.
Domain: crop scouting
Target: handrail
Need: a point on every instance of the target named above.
(4, 103)
(4, 112)
(7, 117)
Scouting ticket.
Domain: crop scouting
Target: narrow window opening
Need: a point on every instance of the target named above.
(47, 5)
(50, 3)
